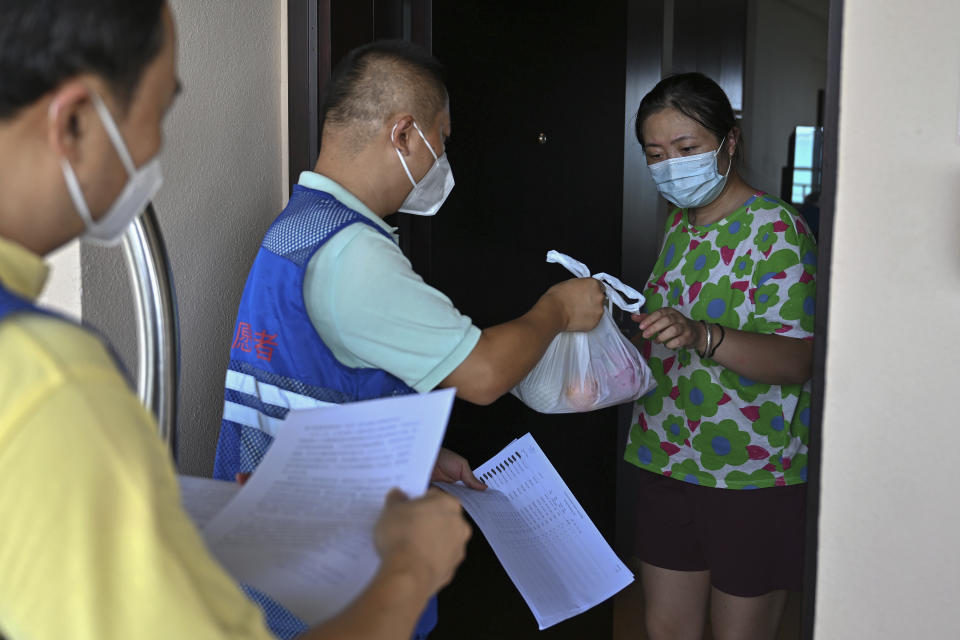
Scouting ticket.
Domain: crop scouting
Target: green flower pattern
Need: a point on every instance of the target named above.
(799, 306)
(771, 424)
(676, 429)
(721, 444)
(718, 303)
(790, 235)
(699, 395)
(766, 297)
(745, 388)
(644, 450)
(653, 401)
(755, 271)
(800, 426)
(699, 262)
(654, 301)
(779, 261)
(688, 471)
(765, 237)
(755, 480)
(675, 293)
(731, 235)
(673, 251)
(743, 266)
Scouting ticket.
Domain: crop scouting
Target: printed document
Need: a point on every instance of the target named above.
(550, 548)
(204, 498)
(301, 529)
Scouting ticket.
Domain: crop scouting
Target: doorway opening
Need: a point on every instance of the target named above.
(543, 95)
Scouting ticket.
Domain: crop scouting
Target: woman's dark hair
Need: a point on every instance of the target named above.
(695, 96)
(44, 43)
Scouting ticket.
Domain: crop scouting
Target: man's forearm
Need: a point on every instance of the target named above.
(506, 352)
(387, 610)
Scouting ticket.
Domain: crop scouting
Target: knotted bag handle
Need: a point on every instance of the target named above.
(615, 289)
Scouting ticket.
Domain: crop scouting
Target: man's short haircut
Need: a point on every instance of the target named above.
(44, 43)
(380, 79)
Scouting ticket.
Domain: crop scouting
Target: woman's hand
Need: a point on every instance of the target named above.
(672, 329)
(763, 358)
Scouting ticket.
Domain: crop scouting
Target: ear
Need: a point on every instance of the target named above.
(733, 139)
(401, 132)
(67, 118)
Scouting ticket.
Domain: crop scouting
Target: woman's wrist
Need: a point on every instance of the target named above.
(716, 343)
(706, 339)
(709, 339)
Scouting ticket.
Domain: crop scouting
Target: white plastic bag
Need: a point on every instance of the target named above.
(584, 371)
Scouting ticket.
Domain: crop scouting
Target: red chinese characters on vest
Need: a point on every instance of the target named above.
(259, 342)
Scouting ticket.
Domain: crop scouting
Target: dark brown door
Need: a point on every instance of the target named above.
(517, 70)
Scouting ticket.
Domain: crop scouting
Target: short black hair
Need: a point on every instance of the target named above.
(378, 79)
(44, 43)
(695, 96)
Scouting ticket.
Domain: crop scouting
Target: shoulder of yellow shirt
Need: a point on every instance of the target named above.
(41, 353)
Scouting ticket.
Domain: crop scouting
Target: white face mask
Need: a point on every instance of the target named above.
(428, 195)
(142, 185)
(691, 181)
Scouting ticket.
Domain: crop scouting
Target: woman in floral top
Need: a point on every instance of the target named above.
(728, 333)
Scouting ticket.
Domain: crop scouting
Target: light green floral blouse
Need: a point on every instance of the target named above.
(753, 270)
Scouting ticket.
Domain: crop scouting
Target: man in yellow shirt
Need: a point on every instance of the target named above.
(93, 541)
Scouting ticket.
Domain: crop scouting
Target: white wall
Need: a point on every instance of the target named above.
(224, 183)
(785, 65)
(889, 525)
(64, 289)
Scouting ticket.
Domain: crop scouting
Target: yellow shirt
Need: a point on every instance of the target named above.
(94, 544)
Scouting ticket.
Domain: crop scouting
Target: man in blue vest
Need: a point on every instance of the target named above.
(333, 312)
(94, 543)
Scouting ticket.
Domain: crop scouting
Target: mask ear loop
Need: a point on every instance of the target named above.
(76, 194)
(70, 176)
(110, 125)
(400, 155)
(729, 166)
(429, 146)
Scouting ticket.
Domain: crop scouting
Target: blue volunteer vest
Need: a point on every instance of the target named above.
(278, 361)
(11, 303)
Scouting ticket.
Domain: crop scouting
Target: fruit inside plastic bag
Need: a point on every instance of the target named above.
(585, 371)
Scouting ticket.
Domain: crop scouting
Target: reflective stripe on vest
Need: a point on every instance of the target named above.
(278, 361)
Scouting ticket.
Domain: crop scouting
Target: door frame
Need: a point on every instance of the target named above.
(310, 57)
(828, 200)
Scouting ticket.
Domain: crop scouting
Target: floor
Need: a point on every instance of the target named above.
(628, 615)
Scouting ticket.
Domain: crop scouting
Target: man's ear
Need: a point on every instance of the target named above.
(401, 132)
(68, 119)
